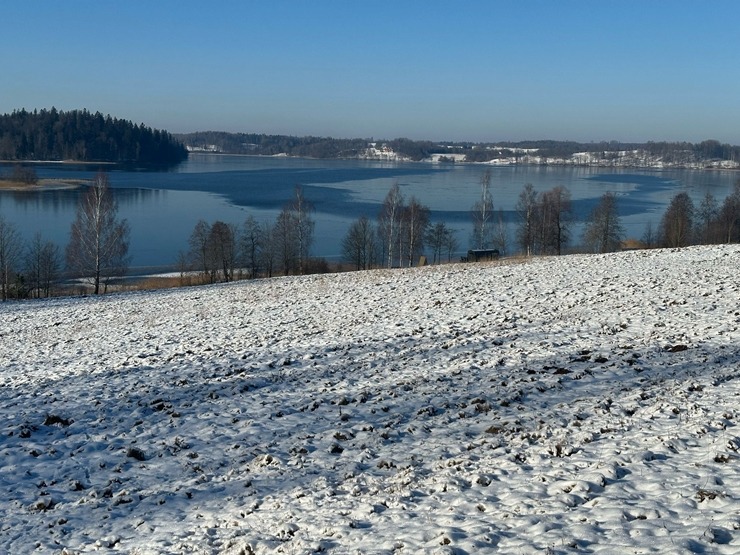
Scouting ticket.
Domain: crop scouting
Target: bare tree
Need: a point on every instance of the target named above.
(649, 237)
(451, 244)
(24, 174)
(707, 215)
(98, 246)
(293, 234)
(555, 219)
(359, 247)
(677, 225)
(300, 212)
(252, 243)
(201, 251)
(286, 242)
(268, 252)
(214, 250)
(415, 219)
(184, 266)
(442, 240)
(222, 239)
(389, 223)
(482, 214)
(500, 232)
(728, 219)
(11, 247)
(43, 265)
(604, 231)
(526, 208)
(435, 238)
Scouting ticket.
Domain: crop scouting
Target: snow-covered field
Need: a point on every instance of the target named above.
(583, 404)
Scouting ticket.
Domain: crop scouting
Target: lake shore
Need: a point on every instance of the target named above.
(41, 185)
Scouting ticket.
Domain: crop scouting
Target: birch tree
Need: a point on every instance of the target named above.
(285, 241)
(415, 218)
(555, 219)
(300, 213)
(482, 214)
(526, 208)
(728, 219)
(98, 246)
(11, 247)
(389, 223)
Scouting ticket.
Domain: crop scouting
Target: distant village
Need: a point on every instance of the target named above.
(511, 156)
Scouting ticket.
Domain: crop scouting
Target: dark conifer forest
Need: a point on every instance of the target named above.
(83, 136)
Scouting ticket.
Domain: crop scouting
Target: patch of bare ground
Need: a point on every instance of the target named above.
(42, 184)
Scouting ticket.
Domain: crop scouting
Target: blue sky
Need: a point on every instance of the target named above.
(475, 70)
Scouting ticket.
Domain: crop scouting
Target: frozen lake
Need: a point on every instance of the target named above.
(163, 207)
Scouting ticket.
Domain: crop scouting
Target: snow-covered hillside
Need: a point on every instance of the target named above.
(582, 404)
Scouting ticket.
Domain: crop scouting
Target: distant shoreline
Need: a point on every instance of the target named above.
(42, 185)
(552, 163)
(555, 163)
(70, 162)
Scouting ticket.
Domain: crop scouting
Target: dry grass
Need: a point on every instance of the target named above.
(632, 244)
(161, 282)
(12, 185)
(16, 185)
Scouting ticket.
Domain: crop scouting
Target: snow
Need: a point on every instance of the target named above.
(580, 404)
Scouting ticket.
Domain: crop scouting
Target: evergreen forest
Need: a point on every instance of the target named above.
(82, 136)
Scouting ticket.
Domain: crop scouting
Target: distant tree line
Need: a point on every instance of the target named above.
(544, 220)
(401, 235)
(684, 223)
(270, 145)
(327, 147)
(308, 147)
(222, 252)
(83, 136)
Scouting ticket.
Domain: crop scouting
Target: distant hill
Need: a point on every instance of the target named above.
(83, 136)
(272, 145)
(710, 153)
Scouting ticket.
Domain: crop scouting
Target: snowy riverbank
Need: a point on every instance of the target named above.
(573, 404)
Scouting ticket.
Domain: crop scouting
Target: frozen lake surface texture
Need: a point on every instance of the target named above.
(582, 404)
(162, 208)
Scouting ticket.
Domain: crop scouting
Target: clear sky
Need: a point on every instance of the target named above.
(469, 70)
